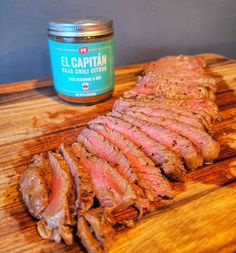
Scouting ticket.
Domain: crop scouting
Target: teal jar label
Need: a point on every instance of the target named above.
(82, 69)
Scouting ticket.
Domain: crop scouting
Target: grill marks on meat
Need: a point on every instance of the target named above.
(149, 176)
(36, 185)
(187, 150)
(59, 216)
(158, 153)
(83, 186)
(112, 190)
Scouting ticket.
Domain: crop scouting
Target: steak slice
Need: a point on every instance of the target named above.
(206, 108)
(172, 140)
(112, 190)
(187, 62)
(101, 227)
(152, 79)
(100, 147)
(171, 90)
(97, 145)
(149, 176)
(195, 118)
(158, 153)
(88, 240)
(178, 84)
(59, 216)
(162, 113)
(209, 147)
(36, 185)
(83, 185)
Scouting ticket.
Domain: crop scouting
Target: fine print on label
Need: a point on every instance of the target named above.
(82, 70)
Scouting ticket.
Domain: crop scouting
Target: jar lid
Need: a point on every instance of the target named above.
(80, 27)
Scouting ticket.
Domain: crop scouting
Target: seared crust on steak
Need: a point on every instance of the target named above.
(171, 90)
(36, 185)
(83, 186)
(184, 62)
(87, 238)
(153, 78)
(174, 78)
(101, 227)
(59, 216)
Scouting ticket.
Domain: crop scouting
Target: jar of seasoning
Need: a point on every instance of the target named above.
(82, 59)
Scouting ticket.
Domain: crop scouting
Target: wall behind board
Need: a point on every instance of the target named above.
(145, 30)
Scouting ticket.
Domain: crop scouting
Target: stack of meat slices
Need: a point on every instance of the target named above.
(155, 133)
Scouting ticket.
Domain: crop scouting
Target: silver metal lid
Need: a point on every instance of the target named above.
(80, 27)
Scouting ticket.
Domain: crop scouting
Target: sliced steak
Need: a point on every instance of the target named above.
(206, 108)
(36, 184)
(163, 113)
(97, 145)
(180, 63)
(87, 238)
(171, 90)
(112, 190)
(175, 73)
(83, 186)
(161, 155)
(152, 79)
(101, 227)
(178, 84)
(149, 176)
(100, 147)
(188, 151)
(58, 217)
(196, 120)
(209, 147)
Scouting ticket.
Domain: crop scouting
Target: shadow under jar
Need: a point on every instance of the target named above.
(82, 59)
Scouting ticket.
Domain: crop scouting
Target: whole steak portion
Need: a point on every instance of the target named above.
(155, 133)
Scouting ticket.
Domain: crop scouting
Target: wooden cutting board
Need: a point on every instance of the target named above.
(202, 216)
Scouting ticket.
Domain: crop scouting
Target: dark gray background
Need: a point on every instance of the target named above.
(145, 30)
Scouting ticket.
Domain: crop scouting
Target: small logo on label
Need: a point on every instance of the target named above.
(85, 86)
(83, 50)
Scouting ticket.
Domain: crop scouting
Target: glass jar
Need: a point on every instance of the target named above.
(82, 59)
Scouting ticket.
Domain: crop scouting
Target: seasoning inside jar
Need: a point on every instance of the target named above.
(82, 59)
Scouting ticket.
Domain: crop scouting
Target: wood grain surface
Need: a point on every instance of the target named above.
(202, 216)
